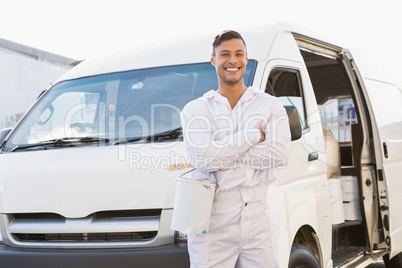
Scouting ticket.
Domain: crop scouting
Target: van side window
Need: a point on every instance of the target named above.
(286, 85)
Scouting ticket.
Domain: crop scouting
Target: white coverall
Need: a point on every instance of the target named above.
(222, 144)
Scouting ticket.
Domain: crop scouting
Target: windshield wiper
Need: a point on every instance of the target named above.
(170, 134)
(62, 142)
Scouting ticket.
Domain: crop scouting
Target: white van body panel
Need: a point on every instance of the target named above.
(186, 50)
(386, 100)
(127, 171)
(286, 193)
(173, 52)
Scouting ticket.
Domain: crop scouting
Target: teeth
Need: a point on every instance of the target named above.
(232, 69)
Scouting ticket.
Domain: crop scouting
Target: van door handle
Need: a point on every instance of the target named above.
(313, 156)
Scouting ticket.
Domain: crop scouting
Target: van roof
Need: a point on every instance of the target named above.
(186, 50)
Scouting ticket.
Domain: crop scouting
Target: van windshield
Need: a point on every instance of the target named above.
(116, 107)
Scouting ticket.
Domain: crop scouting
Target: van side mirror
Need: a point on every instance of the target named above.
(294, 122)
(3, 134)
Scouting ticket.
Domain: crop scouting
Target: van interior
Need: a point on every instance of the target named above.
(342, 121)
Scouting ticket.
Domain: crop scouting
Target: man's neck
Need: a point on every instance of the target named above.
(232, 92)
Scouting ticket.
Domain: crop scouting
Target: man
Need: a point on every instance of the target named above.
(236, 137)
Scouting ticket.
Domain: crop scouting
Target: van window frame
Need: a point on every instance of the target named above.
(296, 73)
(109, 108)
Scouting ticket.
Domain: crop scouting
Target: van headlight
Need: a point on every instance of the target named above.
(179, 237)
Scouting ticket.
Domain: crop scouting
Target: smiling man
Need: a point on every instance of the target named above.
(236, 137)
(230, 59)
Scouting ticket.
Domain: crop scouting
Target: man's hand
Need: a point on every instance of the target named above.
(262, 136)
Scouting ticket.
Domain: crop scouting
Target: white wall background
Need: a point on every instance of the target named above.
(22, 79)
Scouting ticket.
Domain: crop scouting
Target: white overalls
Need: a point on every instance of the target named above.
(223, 147)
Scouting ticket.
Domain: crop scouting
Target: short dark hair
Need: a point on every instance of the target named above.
(225, 36)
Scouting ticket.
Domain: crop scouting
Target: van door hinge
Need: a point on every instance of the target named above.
(384, 145)
(386, 222)
(380, 175)
(347, 54)
(388, 240)
(383, 208)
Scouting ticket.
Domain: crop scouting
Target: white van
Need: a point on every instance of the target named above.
(88, 176)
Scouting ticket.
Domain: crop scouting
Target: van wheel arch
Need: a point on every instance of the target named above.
(306, 244)
(395, 262)
(302, 257)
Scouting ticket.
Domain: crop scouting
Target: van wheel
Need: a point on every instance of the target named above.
(302, 257)
(395, 262)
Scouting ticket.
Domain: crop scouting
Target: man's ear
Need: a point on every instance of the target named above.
(213, 59)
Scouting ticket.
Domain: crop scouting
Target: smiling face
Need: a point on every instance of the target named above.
(230, 60)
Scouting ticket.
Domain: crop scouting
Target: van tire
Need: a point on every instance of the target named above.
(302, 257)
(395, 262)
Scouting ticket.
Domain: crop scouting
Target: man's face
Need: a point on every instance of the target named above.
(230, 61)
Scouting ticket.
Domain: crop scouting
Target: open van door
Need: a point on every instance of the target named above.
(384, 101)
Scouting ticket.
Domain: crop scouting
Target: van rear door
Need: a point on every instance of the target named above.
(385, 102)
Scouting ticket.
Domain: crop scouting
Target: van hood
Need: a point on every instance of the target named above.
(75, 182)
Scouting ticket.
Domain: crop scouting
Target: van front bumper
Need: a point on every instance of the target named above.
(173, 255)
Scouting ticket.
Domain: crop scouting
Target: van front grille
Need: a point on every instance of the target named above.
(105, 226)
(90, 237)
